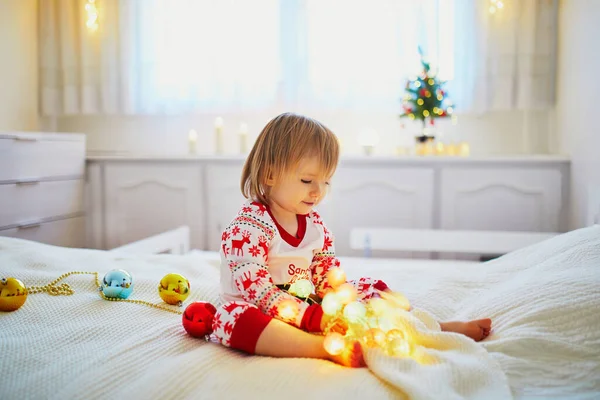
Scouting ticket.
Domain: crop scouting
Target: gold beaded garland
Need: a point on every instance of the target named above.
(65, 289)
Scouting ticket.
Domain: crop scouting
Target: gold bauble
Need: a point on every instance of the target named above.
(174, 289)
(13, 294)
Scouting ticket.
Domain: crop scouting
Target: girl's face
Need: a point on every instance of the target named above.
(299, 191)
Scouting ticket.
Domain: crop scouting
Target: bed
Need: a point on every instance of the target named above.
(543, 299)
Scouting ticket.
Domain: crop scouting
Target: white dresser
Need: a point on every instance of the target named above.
(131, 198)
(42, 186)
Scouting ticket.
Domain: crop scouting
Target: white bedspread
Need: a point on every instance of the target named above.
(544, 302)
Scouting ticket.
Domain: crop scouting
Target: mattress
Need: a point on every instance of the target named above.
(543, 301)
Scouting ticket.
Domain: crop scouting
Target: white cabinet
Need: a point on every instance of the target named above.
(133, 198)
(510, 199)
(381, 196)
(42, 187)
(146, 198)
(223, 198)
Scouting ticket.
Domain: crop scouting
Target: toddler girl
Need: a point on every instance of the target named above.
(278, 239)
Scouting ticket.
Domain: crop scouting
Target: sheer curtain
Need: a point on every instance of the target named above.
(186, 56)
(159, 56)
(505, 60)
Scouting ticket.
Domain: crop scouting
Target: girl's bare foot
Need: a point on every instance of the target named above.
(477, 330)
(351, 357)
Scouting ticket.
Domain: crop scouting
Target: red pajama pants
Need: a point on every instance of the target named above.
(238, 324)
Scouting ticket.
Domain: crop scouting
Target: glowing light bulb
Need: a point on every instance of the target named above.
(334, 343)
(431, 81)
(355, 311)
(399, 347)
(420, 102)
(374, 337)
(378, 306)
(302, 288)
(500, 5)
(440, 97)
(425, 113)
(331, 304)
(418, 84)
(393, 334)
(411, 116)
(336, 277)
(450, 110)
(288, 309)
(346, 293)
(492, 9)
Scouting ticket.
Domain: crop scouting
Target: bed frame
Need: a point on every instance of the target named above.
(493, 243)
(176, 241)
(483, 243)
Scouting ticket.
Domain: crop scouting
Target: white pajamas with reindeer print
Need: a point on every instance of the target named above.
(259, 259)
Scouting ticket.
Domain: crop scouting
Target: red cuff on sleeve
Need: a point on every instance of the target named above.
(311, 320)
(380, 285)
(247, 330)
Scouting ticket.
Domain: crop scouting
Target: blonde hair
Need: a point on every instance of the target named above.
(282, 144)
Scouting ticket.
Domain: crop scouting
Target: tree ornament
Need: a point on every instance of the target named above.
(117, 284)
(198, 317)
(174, 289)
(13, 294)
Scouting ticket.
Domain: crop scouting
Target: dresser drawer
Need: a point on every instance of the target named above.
(33, 201)
(24, 156)
(68, 232)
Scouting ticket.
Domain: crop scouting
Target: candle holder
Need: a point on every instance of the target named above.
(368, 149)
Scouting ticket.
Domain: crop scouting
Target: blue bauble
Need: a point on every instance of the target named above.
(117, 284)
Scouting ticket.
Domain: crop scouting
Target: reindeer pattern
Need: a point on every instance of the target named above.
(245, 247)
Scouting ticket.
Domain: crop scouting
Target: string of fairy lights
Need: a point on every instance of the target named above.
(375, 323)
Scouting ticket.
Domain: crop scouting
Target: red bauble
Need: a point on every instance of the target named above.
(198, 317)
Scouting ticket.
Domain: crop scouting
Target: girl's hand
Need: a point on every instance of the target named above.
(339, 326)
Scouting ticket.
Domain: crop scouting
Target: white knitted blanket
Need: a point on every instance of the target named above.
(543, 301)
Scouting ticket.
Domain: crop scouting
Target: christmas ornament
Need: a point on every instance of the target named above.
(174, 289)
(198, 317)
(13, 294)
(117, 284)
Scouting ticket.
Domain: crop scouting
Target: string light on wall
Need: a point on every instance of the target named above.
(495, 6)
(92, 15)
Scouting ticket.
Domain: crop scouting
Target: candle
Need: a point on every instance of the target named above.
(368, 139)
(243, 138)
(464, 149)
(219, 135)
(192, 139)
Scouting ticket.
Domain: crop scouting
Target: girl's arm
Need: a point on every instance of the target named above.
(323, 261)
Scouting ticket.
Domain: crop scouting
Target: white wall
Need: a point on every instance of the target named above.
(498, 133)
(578, 106)
(18, 65)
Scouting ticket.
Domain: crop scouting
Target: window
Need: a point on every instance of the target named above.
(326, 54)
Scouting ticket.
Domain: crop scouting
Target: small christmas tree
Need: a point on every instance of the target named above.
(425, 98)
